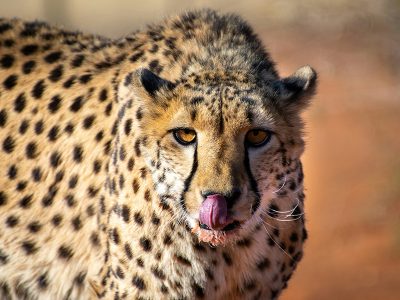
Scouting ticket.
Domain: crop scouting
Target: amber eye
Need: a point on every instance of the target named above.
(257, 137)
(185, 136)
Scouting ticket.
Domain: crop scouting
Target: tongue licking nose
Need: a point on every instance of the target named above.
(214, 212)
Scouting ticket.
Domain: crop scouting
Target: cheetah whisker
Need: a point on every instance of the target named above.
(276, 243)
(283, 185)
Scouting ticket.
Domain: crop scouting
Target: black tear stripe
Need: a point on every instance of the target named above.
(188, 180)
(253, 183)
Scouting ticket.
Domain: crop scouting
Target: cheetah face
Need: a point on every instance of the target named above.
(214, 144)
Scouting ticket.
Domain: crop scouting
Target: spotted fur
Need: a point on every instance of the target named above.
(97, 198)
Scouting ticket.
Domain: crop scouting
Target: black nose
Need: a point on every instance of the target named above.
(231, 197)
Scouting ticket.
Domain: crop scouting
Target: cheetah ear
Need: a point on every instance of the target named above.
(151, 82)
(294, 92)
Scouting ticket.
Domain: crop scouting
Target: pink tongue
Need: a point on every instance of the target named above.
(214, 212)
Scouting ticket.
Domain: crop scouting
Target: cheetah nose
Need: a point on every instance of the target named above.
(214, 212)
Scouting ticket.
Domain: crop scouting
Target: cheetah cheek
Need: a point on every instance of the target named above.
(214, 212)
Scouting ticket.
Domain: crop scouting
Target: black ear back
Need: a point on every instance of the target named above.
(294, 92)
(152, 82)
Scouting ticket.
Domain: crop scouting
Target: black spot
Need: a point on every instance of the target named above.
(30, 30)
(167, 240)
(128, 126)
(20, 102)
(3, 198)
(196, 100)
(4, 27)
(88, 121)
(76, 223)
(77, 104)
(120, 273)
(69, 128)
(31, 150)
(43, 282)
(96, 166)
(94, 239)
(53, 57)
(73, 181)
(29, 49)
(199, 291)
(8, 42)
(28, 67)
(3, 117)
(137, 147)
(77, 154)
(8, 144)
(128, 251)
(103, 95)
(54, 104)
(12, 221)
(77, 61)
(21, 185)
(29, 247)
(138, 282)
(55, 159)
(34, 226)
(182, 260)
(99, 136)
(10, 82)
(53, 133)
(139, 114)
(145, 243)
(114, 235)
(227, 258)
(244, 242)
(85, 78)
(155, 220)
(273, 210)
(36, 174)
(7, 61)
(65, 252)
(56, 73)
(56, 220)
(38, 89)
(39, 127)
(138, 218)
(140, 262)
(12, 172)
(23, 127)
(294, 237)
(69, 82)
(136, 56)
(263, 264)
(108, 109)
(158, 273)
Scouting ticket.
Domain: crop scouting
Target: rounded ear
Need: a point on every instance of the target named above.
(150, 82)
(294, 92)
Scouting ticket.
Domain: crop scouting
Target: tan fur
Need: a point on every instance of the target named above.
(97, 198)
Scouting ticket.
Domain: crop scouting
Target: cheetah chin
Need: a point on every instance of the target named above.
(216, 237)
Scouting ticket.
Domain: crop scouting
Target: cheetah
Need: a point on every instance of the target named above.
(161, 165)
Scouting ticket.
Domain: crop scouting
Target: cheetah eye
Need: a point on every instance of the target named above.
(257, 137)
(184, 136)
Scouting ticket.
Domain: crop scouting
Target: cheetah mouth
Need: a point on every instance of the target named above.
(228, 227)
(217, 237)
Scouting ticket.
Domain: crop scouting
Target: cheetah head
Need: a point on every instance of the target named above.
(219, 143)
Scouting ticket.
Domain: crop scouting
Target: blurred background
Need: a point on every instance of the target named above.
(352, 162)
